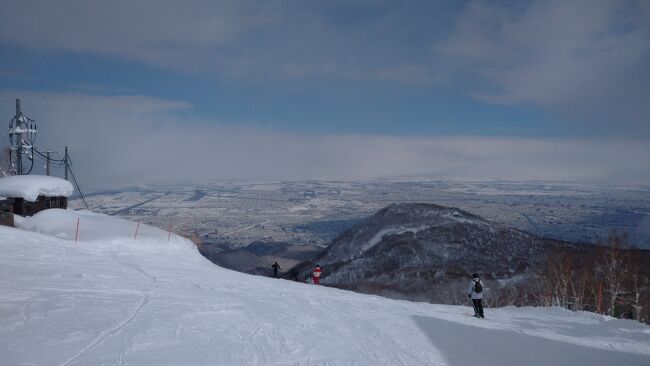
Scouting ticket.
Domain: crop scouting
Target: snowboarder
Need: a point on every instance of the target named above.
(275, 267)
(316, 275)
(476, 294)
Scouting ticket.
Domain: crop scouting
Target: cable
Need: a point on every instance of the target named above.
(45, 156)
(77, 184)
(31, 167)
(79, 189)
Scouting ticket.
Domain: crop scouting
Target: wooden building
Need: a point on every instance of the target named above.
(27, 195)
(7, 211)
(26, 208)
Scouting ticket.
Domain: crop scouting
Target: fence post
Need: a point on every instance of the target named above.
(136, 231)
(76, 235)
(169, 236)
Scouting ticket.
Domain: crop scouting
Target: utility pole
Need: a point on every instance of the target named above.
(47, 165)
(67, 163)
(48, 153)
(18, 144)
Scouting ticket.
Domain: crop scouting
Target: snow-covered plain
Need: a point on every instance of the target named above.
(111, 300)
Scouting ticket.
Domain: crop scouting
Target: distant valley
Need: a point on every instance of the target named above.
(315, 212)
(417, 240)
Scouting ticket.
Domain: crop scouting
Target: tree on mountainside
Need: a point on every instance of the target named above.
(612, 267)
(5, 162)
(639, 293)
(613, 279)
(565, 280)
(507, 295)
(541, 289)
(560, 272)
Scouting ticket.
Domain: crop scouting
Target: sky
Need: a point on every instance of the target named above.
(155, 91)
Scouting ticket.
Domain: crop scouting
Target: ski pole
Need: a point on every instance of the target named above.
(473, 305)
(76, 234)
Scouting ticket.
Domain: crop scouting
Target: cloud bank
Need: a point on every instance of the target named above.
(586, 60)
(120, 141)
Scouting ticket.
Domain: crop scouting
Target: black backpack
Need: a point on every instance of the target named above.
(478, 288)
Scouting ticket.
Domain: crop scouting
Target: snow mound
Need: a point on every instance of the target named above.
(92, 226)
(110, 299)
(29, 187)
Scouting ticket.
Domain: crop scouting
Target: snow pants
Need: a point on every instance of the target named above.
(316, 280)
(478, 307)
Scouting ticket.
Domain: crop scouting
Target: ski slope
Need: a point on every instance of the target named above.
(111, 300)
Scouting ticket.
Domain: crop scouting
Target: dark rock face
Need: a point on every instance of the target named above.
(406, 250)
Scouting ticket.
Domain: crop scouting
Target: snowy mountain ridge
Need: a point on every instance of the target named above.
(426, 252)
(395, 220)
(110, 299)
(433, 215)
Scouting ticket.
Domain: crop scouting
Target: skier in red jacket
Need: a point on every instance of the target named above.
(316, 275)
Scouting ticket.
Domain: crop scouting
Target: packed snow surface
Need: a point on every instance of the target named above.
(30, 187)
(110, 299)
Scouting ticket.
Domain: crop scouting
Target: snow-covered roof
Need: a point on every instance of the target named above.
(29, 187)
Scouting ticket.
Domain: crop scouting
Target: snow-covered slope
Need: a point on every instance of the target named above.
(112, 300)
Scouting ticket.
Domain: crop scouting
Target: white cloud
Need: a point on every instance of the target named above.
(243, 39)
(587, 59)
(126, 140)
(167, 33)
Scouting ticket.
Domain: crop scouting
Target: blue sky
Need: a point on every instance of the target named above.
(549, 72)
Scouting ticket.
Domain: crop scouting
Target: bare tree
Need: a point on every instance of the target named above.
(580, 284)
(540, 289)
(612, 266)
(561, 273)
(638, 283)
(507, 295)
(5, 162)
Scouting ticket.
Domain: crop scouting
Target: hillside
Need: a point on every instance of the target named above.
(427, 252)
(257, 257)
(111, 300)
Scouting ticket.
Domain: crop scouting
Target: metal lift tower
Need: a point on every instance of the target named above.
(22, 132)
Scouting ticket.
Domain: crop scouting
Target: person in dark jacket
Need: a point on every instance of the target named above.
(275, 267)
(475, 293)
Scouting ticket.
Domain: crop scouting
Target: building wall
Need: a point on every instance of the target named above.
(25, 208)
(7, 212)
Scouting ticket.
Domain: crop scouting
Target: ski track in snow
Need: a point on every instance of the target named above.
(24, 308)
(143, 300)
(108, 332)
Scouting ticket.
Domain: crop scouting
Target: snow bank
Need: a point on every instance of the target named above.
(112, 300)
(92, 226)
(30, 187)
